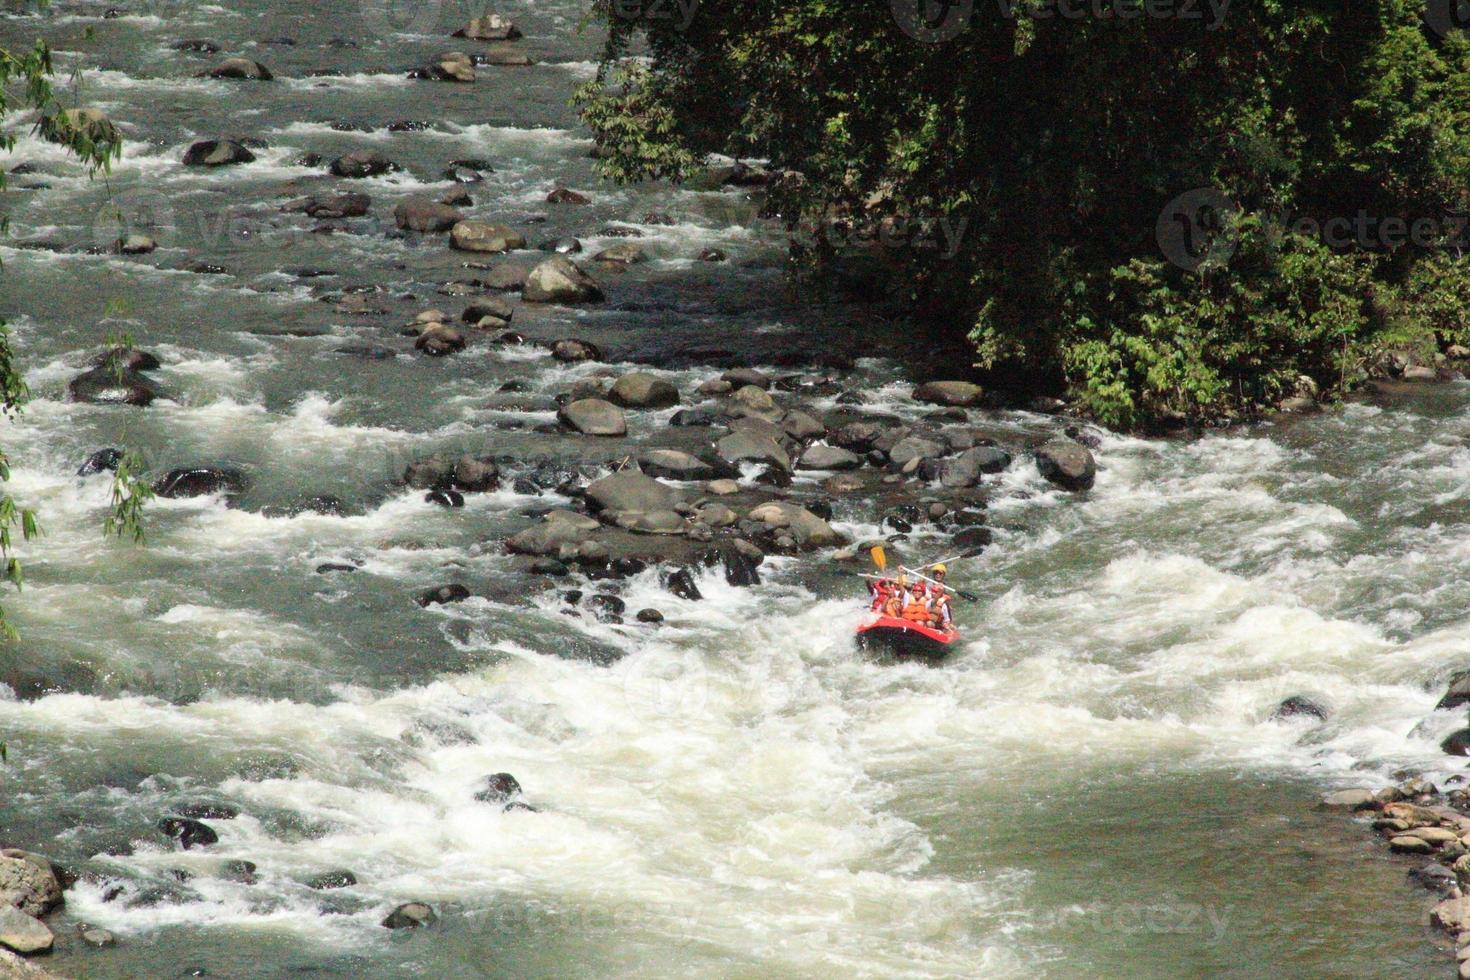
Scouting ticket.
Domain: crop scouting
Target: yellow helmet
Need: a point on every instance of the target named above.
(941, 568)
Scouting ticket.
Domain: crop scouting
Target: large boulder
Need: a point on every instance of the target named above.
(966, 469)
(410, 915)
(362, 163)
(109, 385)
(642, 390)
(22, 933)
(489, 313)
(828, 458)
(1068, 464)
(240, 68)
(425, 215)
(593, 417)
(671, 464)
(558, 530)
(951, 393)
(630, 490)
(217, 153)
(491, 27)
(574, 351)
(482, 236)
(809, 530)
(910, 448)
(751, 447)
(1458, 692)
(29, 881)
(801, 426)
(559, 280)
(200, 481)
(329, 206)
(452, 66)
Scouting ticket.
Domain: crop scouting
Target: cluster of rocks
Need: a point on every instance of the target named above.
(1421, 820)
(30, 889)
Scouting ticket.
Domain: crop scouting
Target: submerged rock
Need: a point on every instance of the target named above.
(189, 833)
(425, 216)
(103, 460)
(200, 481)
(443, 595)
(362, 163)
(240, 68)
(1297, 706)
(501, 787)
(1457, 694)
(410, 915)
(572, 351)
(106, 385)
(340, 878)
(217, 153)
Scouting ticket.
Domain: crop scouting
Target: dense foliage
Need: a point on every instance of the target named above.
(1062, 146)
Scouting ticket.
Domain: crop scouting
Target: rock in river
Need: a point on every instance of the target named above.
(29, 881)
(22, 933)
(951, 393)
(640, 389)
(362, 163)
(482, 236)
(410, 915)
(1067, 464)
(593, 417)
(108, 386)
(240, 68)
(572, 351)
(200, 481)
(630, 490)
(559, 280)
(424, 215)
(217, 153)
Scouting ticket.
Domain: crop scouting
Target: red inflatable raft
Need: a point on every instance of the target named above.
(905, 638)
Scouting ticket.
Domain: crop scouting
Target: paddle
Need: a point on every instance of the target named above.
(968, 596)
(880, 557)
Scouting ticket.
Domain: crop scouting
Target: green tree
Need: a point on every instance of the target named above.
(1060, 142)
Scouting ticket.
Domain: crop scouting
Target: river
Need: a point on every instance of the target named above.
(1091, 786)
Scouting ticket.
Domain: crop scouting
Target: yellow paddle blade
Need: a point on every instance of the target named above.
(880, 557)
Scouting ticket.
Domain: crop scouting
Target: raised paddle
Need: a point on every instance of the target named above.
(880, 557)
(969, 596)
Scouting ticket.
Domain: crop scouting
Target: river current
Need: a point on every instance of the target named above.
(1091, 786)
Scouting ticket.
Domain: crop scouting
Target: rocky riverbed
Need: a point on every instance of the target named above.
(499, 587)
